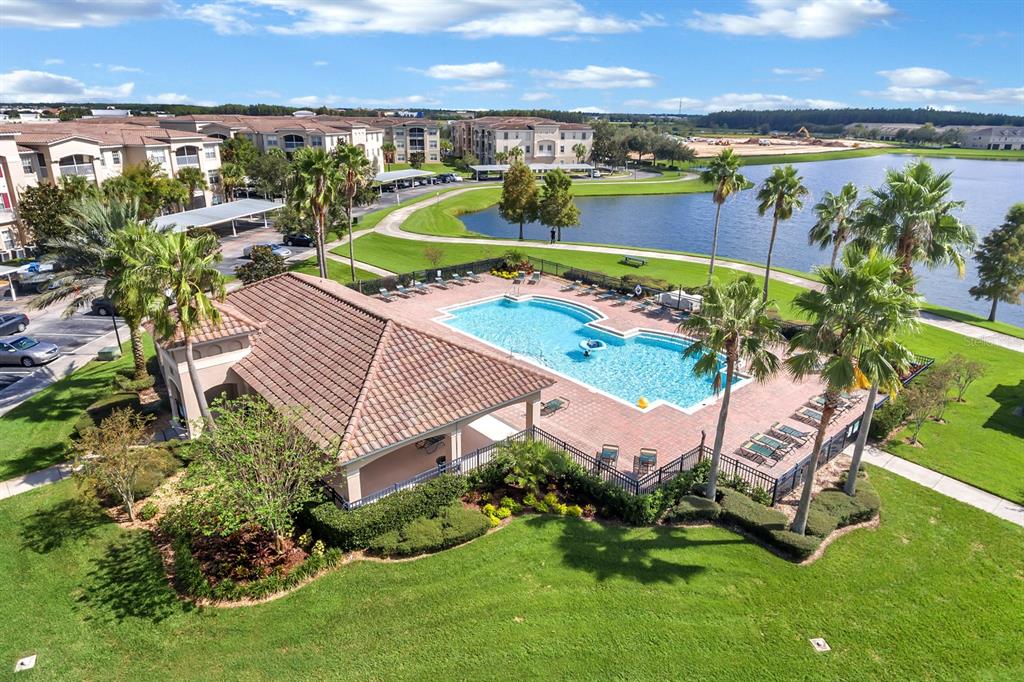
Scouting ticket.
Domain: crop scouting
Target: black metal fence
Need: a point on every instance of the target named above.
(371, 287)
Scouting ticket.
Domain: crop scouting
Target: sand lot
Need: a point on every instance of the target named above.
(707, 148)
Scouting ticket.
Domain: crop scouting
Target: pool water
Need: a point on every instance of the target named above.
(549, 332)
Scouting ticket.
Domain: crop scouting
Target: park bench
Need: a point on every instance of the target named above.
(633, 261)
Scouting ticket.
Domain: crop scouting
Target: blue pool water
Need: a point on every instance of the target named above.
(549, 332)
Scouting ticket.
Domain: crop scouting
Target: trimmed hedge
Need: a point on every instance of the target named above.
(863, 506)
(693, 508)
(352, 530)
(797, 546)
(819, 522)
(453, 526)
(128, 384)
(755, 518)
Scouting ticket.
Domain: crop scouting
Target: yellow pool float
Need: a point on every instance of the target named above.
(642, 403)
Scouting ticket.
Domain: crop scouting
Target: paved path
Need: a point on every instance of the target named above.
(950, 487)
(36, 479)
(980, 333)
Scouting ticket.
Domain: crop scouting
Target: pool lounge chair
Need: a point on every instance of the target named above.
(818, 403)
(420, 287)
(787, 432)
(519, 278)
(552, 406)
(472, 276)
(645, 461)
(852, 398)
(642, 306)
(386, 295)
(811, 416)
(761, 454)
(572, 286)
(609, 454)
(590, 288)
(458, 280)
(606, 295)
(535, 277)
(779, 447)
(623, 299)
(441, 283)
(402, 291)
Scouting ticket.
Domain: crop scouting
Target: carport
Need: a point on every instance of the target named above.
(539, 168)
(5, 278)
(218, 215)
(390, 177)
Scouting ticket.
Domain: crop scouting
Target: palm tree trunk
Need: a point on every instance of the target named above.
(520, 231)
(321, 249)
(138, 352)
(862, 439)
(992, 312)
(197, 386)
(800, 524)
(351, 239)
(723, 416)
(768, 264)
(835, 249)
(714, 241)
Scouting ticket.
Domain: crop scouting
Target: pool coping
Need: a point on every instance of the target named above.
(446, 315)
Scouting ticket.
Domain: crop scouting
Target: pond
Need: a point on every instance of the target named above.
(684, 222)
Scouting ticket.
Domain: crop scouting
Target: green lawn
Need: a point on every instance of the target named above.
(976, 320)
(831, 155)
(982, 441)
(934, 593)
(339, 272)
(33, 435)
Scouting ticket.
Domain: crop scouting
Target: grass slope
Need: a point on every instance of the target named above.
(976, 320)
(339, 272)
(934, 593)
(832, 155)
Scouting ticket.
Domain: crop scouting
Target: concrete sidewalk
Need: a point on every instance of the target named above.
(36, 479)
(950, 487)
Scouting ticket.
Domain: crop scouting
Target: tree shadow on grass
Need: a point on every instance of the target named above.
(609, 551)
(73, 520)
(1010, 399)
(128, 581)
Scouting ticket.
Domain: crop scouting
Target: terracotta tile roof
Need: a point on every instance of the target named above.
(520, 123)
(363, 379)
(105, 133)
(233, 322)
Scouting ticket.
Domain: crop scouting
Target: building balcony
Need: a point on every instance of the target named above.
(85, 169)
(187, 160)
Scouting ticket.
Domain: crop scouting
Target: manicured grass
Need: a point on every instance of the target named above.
(934, 593)
(339, 272)
(976, 320)
(33, 435)
(981, 154)
(981, 441)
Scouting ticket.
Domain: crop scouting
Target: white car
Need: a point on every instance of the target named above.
(276, 249)
(596, 174)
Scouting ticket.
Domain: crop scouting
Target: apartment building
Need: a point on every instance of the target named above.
(542, 140)
(993, 137)
(409, 135)
(96, 150)
(288, 133)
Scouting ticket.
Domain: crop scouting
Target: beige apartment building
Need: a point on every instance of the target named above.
(542, 140)
(409, 135)
(95, 150)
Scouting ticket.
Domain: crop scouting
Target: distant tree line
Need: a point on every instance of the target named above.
(791, 119)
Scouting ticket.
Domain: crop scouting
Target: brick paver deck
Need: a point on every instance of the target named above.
(592, 418)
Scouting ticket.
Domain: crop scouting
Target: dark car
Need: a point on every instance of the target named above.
(298, 239)
(103, 307)
(13, 323)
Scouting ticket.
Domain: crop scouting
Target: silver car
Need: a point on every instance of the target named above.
(276, 249)
(26, 351)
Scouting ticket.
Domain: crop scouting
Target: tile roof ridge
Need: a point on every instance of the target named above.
(313, 281)
(348, 435)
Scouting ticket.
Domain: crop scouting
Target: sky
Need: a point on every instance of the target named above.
(587, 55)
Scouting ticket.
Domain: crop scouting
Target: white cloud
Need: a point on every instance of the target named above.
(346, 101)
(809, 73)
(226, 18)
(81, 13)
(176, 98)
(42, 86)
(729, 102)
(320, 62)
(468, 18)
(481, 86)
(117, 68)
(589, 110)
(53, 62)
(939, 88)
(535, 96)
(922, 77)
(597, 77)
(466, 71)
(795, 18)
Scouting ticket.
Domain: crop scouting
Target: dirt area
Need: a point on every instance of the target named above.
(744, 147)
(828, 476)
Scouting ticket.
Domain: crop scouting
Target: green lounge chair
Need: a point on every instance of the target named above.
(757, 452)
(795, 436)
(472, 276)
(645, 461)
(386, 295)
(779, 447)
(609, 454)
(535, 277)
(552, 406)
(421, 287)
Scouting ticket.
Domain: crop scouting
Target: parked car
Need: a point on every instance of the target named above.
(103, 307)
(13, 323)
(276, 249)
(26, 351)
(298, 239)
(596, 174)
(456, 178)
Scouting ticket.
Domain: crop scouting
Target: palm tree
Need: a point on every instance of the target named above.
(355, 174)
(853, 319)
(131, 288)
(580, 150)
(84, 249)
(837, 215)
(501, 157)
(315, 181)
(732, 323)
(912, 217)
(724, 173)
(782, 192)
(515, 154)
(388, 149)
(194, 180)
(182, 267)
(232, 176)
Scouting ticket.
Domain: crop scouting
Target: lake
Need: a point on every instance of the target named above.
(684, 222)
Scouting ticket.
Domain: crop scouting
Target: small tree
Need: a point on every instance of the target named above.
(434, 255)
(194, 180)
(261, 469)
(264, 263)
(518, 195)
(1000, 261)
(43, 209)
(579, 150)
(269, 173)
(923, 399)
(468, 160)
(940, 380)
(964, 372)
(388, 150)
(110, 457)
(556, 207)
(416, 159)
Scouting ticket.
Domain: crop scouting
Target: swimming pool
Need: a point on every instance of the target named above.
(549, 332)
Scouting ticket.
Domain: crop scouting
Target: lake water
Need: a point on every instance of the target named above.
(684, 222)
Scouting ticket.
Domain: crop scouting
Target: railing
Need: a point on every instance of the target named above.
(187, 160)
(78, 169)
(292, 146)
(372, 286)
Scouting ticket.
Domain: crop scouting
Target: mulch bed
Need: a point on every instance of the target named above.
(246, 555)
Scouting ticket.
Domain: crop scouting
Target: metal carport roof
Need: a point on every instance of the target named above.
(215, 215)
(391, 176)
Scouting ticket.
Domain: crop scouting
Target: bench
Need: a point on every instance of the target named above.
(633, 261)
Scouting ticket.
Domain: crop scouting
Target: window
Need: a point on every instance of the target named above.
(115, 157)
(271, 140)
(293, 142)
(316, 141)
(562, 136)
(506, 136)
(527, 149)
(561, 149)
(5, 202)
(26, 165)
(433, 144)
(211, 152)
(155, 157)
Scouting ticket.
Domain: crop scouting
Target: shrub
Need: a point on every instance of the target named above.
(819, 522)
(503, 512)
(491, 475)
(229, 590)
(160, 464)
(888, 417)
(532, 464)
(611, 501)
(530, 500)
(793, 544)
(752, 517)
(350, 530)
(148, 511)
(452, 526)
(103, 408)
(849, 510)
(128, 384)
(422, 535)
(693, 508)
(574, 510)
(510, 504)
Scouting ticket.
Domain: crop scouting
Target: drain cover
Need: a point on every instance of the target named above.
(25, 664)
(820, 644)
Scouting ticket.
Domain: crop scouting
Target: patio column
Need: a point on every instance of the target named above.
(354, 489)
(533, 410)
(455, 445)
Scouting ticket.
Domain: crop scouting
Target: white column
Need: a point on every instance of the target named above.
(355, 490)
(533, 411)
(455, 446)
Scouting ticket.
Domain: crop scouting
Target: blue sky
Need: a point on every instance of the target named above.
(635, 55)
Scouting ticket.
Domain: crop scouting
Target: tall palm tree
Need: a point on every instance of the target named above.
(732, 323)
(388, 149)
(232, 176)
(515, 154)
(837, 215)
(501, 157)
(356, 173)
(782, 192)
(912, 217)
(130, 286)
(315, 181)
(182, 267)
(580, 151)
(194, 180)
(852, 321)
(83, 249)
(724, 173)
